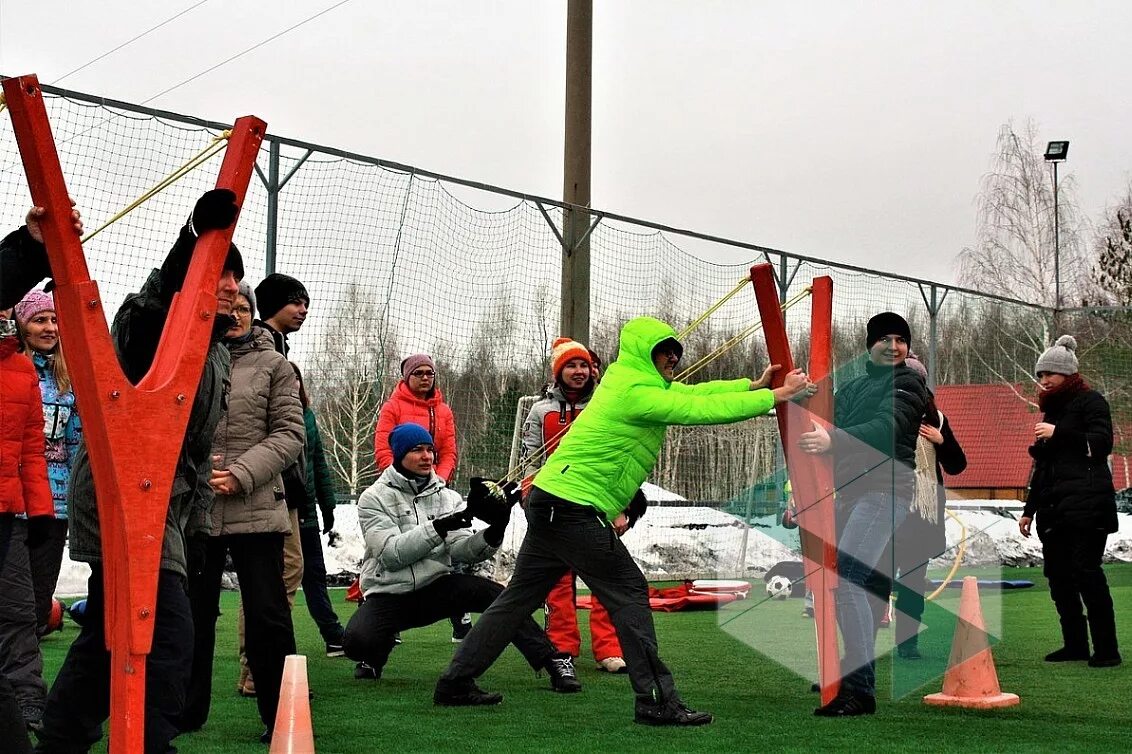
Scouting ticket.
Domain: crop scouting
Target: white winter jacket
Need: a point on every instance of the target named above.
(403, 551)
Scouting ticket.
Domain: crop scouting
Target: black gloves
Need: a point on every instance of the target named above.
(636, 508)
(490, 502)
(327, 519)
(493, 535)
(39, 527)
(23, 263)
(457, 520)
(216, 210)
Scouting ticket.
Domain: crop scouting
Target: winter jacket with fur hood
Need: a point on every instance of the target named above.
(260, 434)
(431, 413)
(23, 467)
(403, 551)
(613, 445)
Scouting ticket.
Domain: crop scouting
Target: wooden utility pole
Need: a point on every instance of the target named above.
(575, 318)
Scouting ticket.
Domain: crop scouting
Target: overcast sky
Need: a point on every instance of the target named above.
(851, 131)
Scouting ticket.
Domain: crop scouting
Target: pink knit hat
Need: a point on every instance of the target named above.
(409, 365)
(35, 302)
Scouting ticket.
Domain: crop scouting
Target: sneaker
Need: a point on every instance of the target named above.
(246, 688)
(466, 694)
(849, 705)
(397, 639)
(1065, 654)
(265, 737)
(672, 712)
(563, 679)
(807, 612)
(363, 671)
(1105, 661)
(334, 649)
(461, 629)
(613, 665)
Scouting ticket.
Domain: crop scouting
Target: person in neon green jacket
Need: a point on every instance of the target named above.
(574, 513)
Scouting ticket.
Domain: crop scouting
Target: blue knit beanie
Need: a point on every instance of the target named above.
(405, 437)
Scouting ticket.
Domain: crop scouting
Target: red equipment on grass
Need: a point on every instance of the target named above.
(811, 477)
(133, 433)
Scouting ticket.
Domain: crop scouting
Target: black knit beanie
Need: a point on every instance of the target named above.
(276, 291)
(887, 323)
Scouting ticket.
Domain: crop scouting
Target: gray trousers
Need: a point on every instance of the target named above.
(561, 536)
(19, 644)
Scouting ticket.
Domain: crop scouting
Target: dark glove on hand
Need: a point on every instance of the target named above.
(39, 527)
(23, 263)
(493, 535)
(458, 520)
(636, 508)
(490, 503)
(327, 520)
(216, 210)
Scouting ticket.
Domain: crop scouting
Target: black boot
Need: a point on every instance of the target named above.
(1106, 660)
(848, 704)
(463, 694)
(1068, 654)
(563, 679)
(672, 712)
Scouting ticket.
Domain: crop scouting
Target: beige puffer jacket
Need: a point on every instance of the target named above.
(260, 434)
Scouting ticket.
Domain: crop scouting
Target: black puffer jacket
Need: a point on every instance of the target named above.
(877, 419)
(1072, 483)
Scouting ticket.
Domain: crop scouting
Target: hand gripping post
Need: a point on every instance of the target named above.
(811, 477)
(133, 433)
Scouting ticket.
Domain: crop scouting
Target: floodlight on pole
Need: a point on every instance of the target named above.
(1056, 151)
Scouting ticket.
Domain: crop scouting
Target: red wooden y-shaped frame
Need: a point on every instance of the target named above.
(811, 477)
(133, 433)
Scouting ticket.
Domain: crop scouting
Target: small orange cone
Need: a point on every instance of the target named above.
(293, 733)
(971, 680)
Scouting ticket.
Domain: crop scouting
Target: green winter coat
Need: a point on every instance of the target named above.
(320, 483)
(613, 445)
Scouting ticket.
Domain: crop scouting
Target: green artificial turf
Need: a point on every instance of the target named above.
(721, 665)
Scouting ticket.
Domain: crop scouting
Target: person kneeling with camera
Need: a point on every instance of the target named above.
(415, 527)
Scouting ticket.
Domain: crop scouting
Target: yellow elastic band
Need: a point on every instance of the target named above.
(217, 144)
(958, 557)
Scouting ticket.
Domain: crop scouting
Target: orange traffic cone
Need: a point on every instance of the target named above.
(971, 680)
(293, 733)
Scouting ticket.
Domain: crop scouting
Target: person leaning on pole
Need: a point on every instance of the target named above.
(575, 506)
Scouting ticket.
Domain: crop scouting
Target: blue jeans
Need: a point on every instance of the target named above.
(869, 523)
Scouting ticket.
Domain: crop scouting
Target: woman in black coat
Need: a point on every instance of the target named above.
(1072, 498)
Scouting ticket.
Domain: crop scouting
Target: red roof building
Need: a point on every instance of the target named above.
(995, 425)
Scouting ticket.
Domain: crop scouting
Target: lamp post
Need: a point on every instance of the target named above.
(1056, 151)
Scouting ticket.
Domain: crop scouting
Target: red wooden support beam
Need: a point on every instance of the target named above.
(811, 477)
(133, 433)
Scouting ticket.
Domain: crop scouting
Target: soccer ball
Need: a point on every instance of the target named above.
(778, 588)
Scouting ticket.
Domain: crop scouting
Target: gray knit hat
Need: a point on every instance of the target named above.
(1059, 358)
(247, 292)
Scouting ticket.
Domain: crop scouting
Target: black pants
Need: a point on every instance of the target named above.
(79, 700)
(21, 660)
(1073, 569)
(562, 535)
(46, 560)
(369, 634)
(314, 586)
(12, 727)
(269, 636)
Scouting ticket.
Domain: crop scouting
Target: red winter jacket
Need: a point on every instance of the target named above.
(431, 413)
(23, 467)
